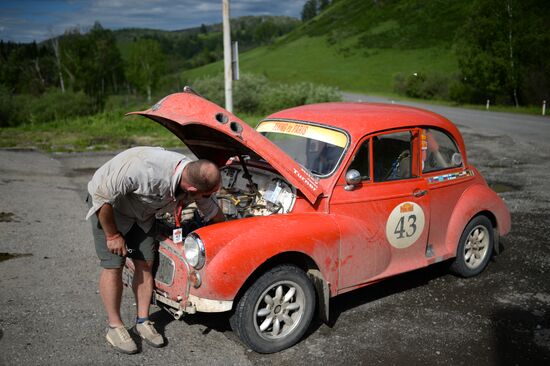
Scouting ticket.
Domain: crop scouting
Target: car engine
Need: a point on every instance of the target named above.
(245, 192)
(248, 191)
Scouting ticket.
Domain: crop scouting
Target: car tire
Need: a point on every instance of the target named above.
(474, 248)
(276, 311)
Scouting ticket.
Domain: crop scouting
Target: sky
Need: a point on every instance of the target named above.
(37, 20)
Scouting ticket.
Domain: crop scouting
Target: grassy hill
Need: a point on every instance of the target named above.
(192, 47)
(360, 45)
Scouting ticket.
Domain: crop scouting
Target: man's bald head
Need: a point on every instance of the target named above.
(202, 174)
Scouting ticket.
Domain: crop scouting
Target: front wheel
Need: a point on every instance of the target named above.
(275, 312)
(475, 247)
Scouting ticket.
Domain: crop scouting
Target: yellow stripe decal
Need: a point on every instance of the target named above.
(300, 129)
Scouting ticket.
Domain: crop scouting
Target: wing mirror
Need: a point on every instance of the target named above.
(353, 178)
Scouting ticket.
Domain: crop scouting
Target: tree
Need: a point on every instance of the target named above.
(91, 61)
(144, 65)
(55, 46)
(502, 50)
(310, 9)
(323, 4)
(26, 68)
(107, 61)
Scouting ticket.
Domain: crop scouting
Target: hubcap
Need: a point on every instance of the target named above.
(279, 310)
(477, 246)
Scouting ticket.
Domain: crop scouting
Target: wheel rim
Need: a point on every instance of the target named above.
(477, 247)
(279, 310)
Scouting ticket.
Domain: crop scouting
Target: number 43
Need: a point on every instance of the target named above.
(400, 230)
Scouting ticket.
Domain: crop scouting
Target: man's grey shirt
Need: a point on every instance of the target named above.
(140, 182)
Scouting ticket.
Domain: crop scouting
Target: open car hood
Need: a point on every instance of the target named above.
(213, 133)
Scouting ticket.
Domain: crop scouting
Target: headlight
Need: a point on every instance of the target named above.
(193, 250)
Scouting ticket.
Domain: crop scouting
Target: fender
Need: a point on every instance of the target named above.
(234, 250)
(475, 199)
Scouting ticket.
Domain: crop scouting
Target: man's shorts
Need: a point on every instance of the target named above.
(141, 244)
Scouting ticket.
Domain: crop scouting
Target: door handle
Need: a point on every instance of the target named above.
(420, 192)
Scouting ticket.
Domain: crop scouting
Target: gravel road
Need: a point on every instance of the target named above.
(50, 310)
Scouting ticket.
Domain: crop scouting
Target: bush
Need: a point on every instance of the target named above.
(255, 94)
(52, 105)
(211, 88)
(7, 110)
(424, 86)
(460, 92)
(436, 86)
(400, 84)
(126, 102)
(248, 92)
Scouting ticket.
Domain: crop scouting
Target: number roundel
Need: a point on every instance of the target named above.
(405, 225)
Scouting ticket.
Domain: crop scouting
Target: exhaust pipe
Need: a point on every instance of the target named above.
(177, 314)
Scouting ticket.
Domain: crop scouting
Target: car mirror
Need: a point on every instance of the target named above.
(353, 178)
(456, 159)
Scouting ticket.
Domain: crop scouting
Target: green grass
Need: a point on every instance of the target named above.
(314, 60)
(534, 110)
(112, 131)
(104, 131)
(360, 45)
(403, 24)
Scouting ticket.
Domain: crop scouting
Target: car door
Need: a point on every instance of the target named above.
(384, 220)
(447, 178)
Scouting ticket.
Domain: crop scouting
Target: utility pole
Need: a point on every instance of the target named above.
(227, 57)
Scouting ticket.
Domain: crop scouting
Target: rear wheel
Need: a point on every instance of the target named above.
(475, 247)
(275, 312)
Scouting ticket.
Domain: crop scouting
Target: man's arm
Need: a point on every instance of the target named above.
(115, 241)
(218, 217)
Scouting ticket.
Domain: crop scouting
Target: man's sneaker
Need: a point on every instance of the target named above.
(149, 334)
(120, 339)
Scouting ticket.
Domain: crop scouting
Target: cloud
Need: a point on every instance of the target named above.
(28, 20)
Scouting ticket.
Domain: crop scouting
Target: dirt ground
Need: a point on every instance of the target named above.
(50, 311)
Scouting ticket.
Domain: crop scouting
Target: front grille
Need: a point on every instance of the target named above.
(165, 270)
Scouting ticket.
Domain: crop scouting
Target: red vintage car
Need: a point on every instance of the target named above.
(320, 200)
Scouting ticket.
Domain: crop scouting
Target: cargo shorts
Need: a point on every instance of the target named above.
(141, 245)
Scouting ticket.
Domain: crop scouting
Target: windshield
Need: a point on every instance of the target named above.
(316, 148)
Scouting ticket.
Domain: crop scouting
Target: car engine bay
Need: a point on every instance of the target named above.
(245, 192)
(249, 191)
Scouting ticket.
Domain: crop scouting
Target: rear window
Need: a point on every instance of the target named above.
(439, 151)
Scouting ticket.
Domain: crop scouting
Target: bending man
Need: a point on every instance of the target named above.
(124, 196)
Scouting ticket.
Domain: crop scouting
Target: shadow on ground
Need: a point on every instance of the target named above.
(521, 337)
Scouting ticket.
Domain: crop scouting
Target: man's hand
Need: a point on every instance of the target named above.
(115, 241)
(219, 217)
(116, 244)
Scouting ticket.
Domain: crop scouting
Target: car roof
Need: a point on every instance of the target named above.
(359, 119)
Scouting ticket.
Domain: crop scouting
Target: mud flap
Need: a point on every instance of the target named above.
(496, 241)
(323, 294)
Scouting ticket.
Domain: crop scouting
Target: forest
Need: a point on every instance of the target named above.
(75, 73)
(478, 50)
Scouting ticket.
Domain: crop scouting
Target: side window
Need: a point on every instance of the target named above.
(438, 151)
(392, 156)
(361, 161)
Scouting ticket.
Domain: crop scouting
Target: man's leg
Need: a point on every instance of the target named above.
(143, 256)
(110, 289)
(143, 286)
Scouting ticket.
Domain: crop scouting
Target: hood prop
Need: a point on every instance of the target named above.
(251, 185)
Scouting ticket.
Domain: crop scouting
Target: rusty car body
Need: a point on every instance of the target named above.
(320, 200)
